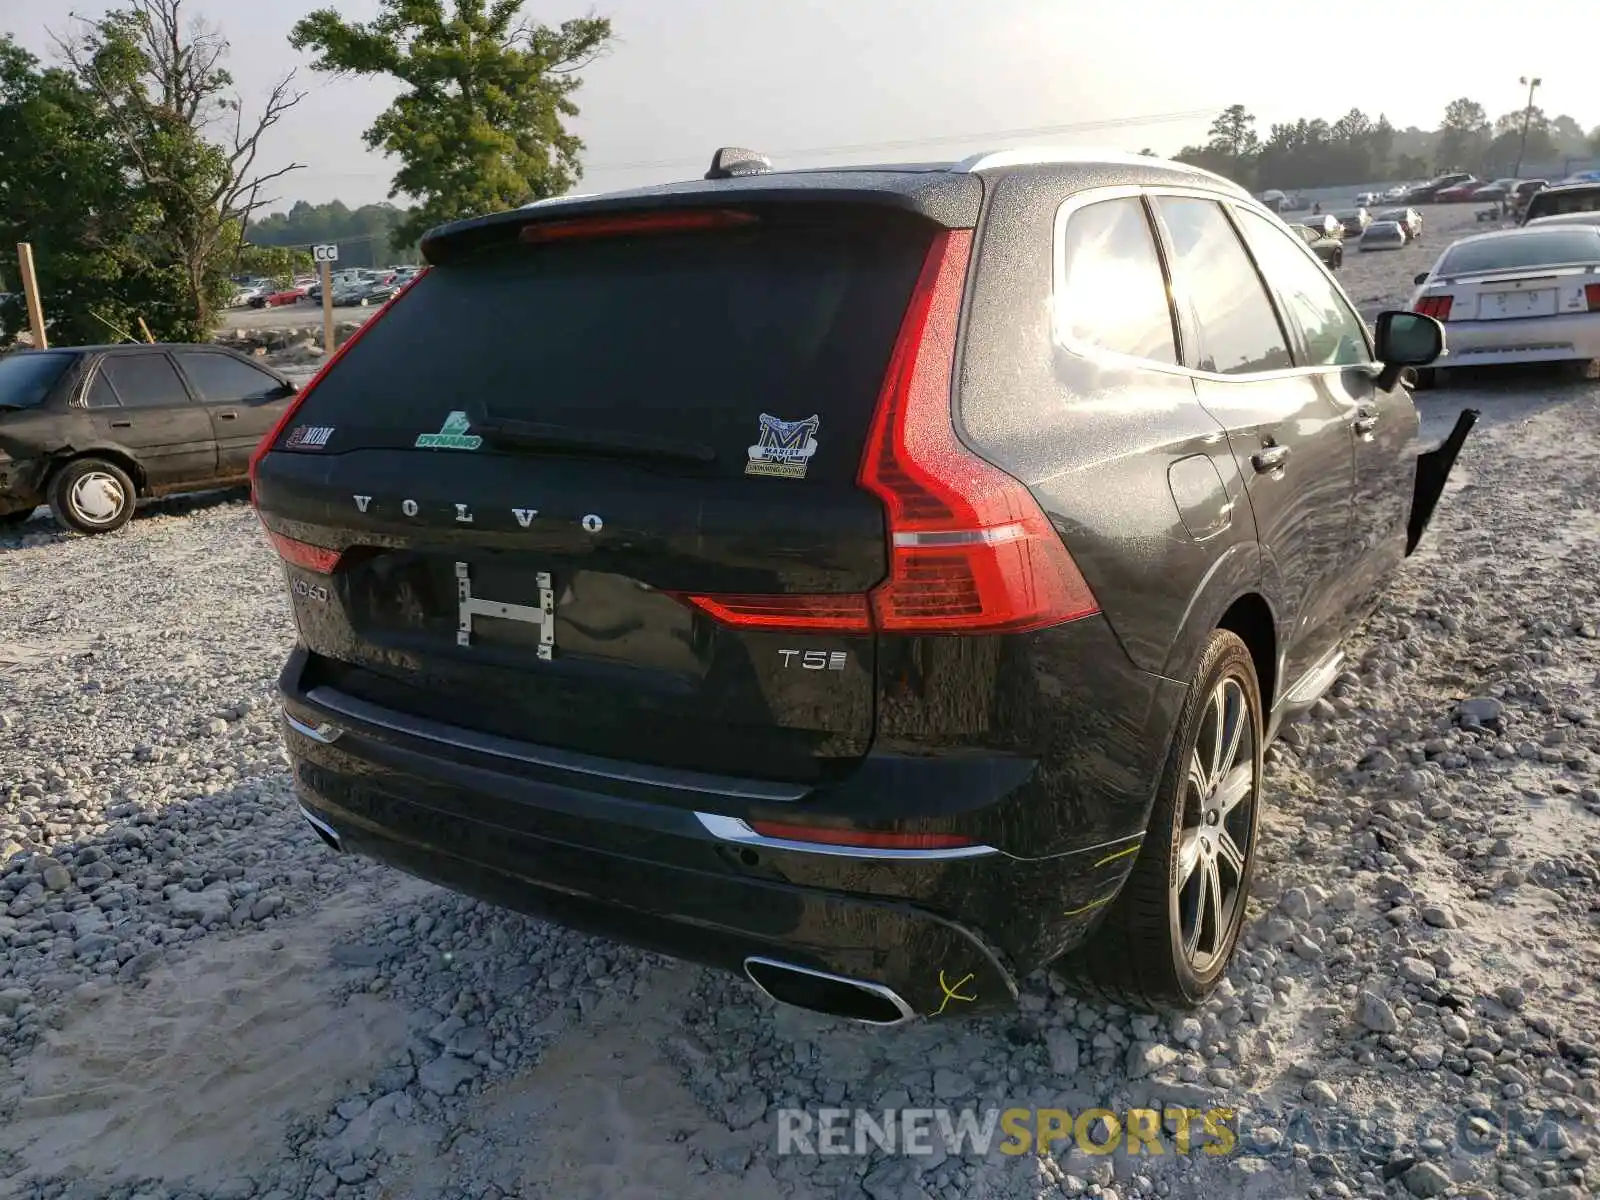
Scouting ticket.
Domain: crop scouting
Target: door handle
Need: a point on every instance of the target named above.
(1366, 421)
(122, 424)
(227, 416)
(1269, 459)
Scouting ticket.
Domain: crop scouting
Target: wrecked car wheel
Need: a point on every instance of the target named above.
(1170, 934)
(91, 495)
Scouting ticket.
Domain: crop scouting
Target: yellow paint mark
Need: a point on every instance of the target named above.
(1133, 849)
(953, 992)
(1072, 912)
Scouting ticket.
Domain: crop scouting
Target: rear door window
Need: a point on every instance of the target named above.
(144, 380)
(711, 338)
(223, 380)
(1239, 331)
(1113, 294)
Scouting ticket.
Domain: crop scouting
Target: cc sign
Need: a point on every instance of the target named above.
(325, 253)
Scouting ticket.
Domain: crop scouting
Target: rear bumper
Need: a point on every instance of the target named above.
(949, 932)
(1541, 339)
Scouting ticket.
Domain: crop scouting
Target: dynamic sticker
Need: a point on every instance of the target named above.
(452, 435)
(784, 448)
(308, 437)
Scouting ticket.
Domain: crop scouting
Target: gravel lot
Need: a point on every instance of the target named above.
(290, 316)
(198, 1001)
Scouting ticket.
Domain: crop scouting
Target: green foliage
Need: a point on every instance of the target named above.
(64, 191)
(1357, 149)
(187, 152)
(479, 127)
(365, 236)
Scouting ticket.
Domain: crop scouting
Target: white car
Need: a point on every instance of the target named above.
(1577, 218)
(1398, 193)
(1517, 296)
(1384, 235)
(1409, 218)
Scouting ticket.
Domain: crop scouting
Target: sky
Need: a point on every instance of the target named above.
(945, 77)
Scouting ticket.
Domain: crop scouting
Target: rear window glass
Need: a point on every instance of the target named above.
(1543, 248)
(26, 378)
(1547, 203)
(689, 338)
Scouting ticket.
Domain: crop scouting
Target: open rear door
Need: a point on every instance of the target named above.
(1433, 470)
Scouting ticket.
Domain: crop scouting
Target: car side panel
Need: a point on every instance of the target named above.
(1096, 440)
(172, 443)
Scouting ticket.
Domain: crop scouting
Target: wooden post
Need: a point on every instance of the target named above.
(327, 309)
(30, 290)
(148, 336)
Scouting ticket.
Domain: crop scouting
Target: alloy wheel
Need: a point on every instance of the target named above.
(1220, 787)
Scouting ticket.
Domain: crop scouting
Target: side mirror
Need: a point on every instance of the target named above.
(1421, 279)
(1405, 339)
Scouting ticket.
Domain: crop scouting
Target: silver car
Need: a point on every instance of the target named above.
(1384, 235)
(1524, 295)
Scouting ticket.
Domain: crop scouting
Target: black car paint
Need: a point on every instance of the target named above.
(1045, 746)
(165, 448)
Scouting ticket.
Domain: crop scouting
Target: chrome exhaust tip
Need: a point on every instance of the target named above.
(831, 995)
(329, 835)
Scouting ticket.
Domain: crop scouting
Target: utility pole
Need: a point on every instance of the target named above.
(1527, 115)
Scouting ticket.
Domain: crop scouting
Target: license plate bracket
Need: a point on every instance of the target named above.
(542, 614)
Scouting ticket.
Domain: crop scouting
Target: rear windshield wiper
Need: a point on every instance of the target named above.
(533, 435)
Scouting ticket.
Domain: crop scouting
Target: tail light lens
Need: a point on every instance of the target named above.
(303, 554)
(1591, 294)
(289, 413)
(1437, 307)
(970, 551)
(620, 226)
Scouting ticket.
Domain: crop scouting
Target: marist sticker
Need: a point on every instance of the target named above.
(784, 448)
(452, 435)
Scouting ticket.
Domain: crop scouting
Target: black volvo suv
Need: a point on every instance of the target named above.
(881, 581)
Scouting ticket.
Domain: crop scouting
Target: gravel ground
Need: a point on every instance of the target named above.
(198, 1001)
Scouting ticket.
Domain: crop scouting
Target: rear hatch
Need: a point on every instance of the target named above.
(532, 462)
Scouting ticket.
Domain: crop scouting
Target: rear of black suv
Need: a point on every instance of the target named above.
(642, 583)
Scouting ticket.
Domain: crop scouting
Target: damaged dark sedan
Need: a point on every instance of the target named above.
(92, 430)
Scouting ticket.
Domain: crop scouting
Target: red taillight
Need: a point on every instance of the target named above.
(1437, 307)
(1591, 293)
(619, 226)
(265, 443)
(302, 554)
(843, 613)
(970, 551)
(871, 839)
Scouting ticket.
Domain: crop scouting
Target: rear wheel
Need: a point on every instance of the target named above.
(91, 495)
(1171, 932)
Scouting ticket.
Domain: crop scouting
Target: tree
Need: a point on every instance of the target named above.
(365, 236)
(1464, 136)
(65, 191)
(1507, 149)
(1594, 141)
(1234, 133)
(185, 141)
(480, 125)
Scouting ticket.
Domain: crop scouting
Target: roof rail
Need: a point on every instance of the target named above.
(1039, 155)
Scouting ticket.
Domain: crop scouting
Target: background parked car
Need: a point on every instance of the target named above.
(1563, 198)
(279, 298)
(1427, 193)
(1324, 223)
(1516, 296)
(1523, 192)
(1409, 218)
(1327, 246)
(91, 430)
(1500, 189)
(1459, 193)
(1384, 235)
(1577, 218)
(1354, 220)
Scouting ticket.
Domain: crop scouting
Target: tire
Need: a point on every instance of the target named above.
(1338, 260)
(1145, 953)
(91, 495)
